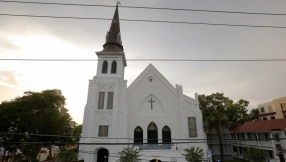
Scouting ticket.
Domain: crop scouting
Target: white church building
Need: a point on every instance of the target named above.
(150, 115)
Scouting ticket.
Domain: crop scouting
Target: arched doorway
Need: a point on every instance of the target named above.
(102, 155)
(154, 160)
(152, 133)
(166, 135)
(138, 135)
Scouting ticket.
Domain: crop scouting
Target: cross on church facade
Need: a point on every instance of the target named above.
(151, 103)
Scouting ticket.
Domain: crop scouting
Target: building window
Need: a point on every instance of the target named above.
(266, 136)
(262, 110)
(110, 100)
(166, 135)
(270, 154)
(101, 100)
(237, 136)
(264, 118)
(113, 67)
(277, 137)
(283, 105)
(232, 136)
(242, 136)
(138, 135)
(239, 150)
(152, 133)
(103, 131)
(270, 108)
(272, 117)
(248, 135)
(173, 160)
(192, 127)
(234, 148)
(104, 67)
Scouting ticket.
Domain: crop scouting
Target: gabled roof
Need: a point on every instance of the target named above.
(262, 126)
(143, 74)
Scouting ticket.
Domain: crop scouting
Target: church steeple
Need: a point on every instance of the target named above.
(113, 37)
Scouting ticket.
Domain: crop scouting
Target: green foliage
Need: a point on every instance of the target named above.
(129, 155)
(194, 154)
(256, 155)
(237, 113)
(254, 115)
(67, 155)
(221, 112)
(77, 132)
(36, 113)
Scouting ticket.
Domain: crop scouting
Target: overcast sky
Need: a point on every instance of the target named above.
(257, 82)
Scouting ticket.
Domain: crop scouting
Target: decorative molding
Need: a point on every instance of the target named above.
(190, 102)
(103, 112)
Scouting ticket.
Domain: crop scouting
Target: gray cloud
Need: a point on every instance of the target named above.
(257, 82)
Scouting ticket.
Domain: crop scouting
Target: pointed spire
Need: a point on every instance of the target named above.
(113, 37)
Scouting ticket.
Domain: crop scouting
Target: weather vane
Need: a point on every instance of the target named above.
(118, 2)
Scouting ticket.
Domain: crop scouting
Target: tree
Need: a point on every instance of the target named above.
(221, 112)
(37, 113)
(67, 155)
(194, 154)
(238, 113)
(255, 155)
(254, 114)
(214, 109)
(129, 155)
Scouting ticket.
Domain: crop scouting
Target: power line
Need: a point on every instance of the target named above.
(96, 143)
(62, 136)
(189, 139)
(114, 154)
(130, 143)
(150, 21)
(161, 60)
(152, 8)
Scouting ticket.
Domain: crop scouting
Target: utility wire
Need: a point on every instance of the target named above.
(150, 21)
(47, 135)
(161, 60)
(89, 152)
(116, 154)
(189, 139)
(109, 143)
(152, 8)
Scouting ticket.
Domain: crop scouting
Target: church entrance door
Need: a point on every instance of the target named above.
(152, 133)
(102, 155)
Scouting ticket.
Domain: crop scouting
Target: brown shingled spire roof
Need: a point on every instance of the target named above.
(113, 37)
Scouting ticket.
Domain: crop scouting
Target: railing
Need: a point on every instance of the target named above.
(278, 145)
(155, 146)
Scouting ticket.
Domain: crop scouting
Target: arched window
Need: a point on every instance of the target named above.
(104, 67)
(152, 133)
(173, 160)
(166, 135)
(113, 67)
(138, 135)
(102, 155)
